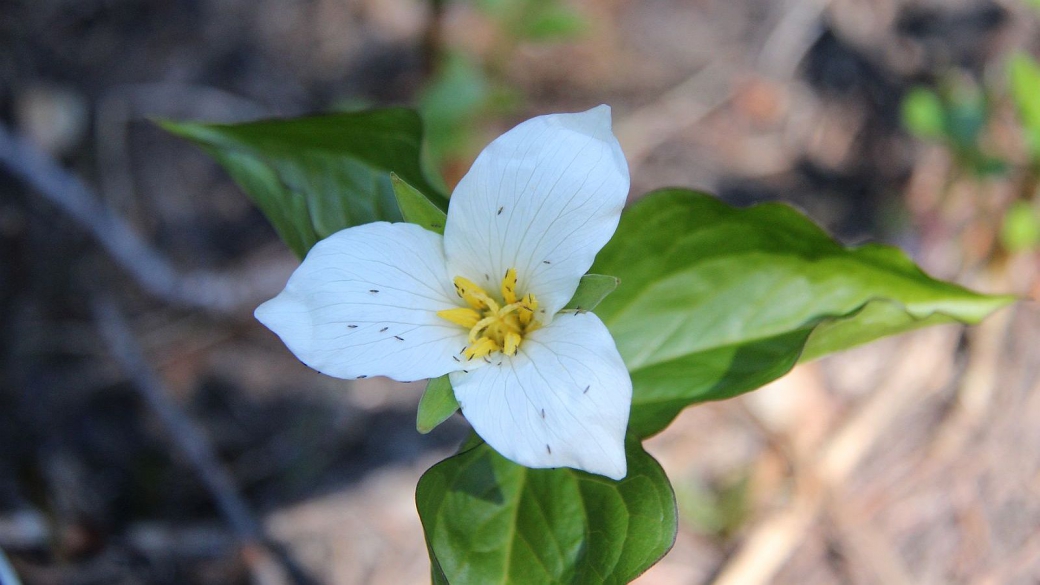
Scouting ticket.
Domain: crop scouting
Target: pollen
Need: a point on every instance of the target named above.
(495, 324)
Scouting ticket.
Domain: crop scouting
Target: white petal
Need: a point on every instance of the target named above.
(542, 198)
(562, 401)
(364, 302)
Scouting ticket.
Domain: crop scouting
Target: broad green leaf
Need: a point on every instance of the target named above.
(876, 319)
(314, 176)
(417, 208)
(488, 520)
(436, 405)
(592, 289)
(1024, 73)
(716, 301)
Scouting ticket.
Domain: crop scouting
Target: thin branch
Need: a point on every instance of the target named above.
(770, 544)
(198, 290)
(187, 438)
(7, 574)
(267, 563)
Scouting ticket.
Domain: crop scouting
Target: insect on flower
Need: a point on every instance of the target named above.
(544, 388)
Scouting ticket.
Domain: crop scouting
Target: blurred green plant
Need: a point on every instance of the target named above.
(956, 115)
(959, 112)
(465, 90)
(1021, 229)
(1024, 85)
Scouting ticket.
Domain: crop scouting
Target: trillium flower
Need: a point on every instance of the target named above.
(544, 387)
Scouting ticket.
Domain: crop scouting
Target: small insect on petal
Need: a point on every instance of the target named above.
(587, 389)
(398, 338)
(500, 210)
(351, 326)
(548, 449)
(383, 330)
(373, 291)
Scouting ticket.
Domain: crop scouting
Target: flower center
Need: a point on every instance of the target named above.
(493, 327)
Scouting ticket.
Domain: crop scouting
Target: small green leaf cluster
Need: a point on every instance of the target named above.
(705, 301)
(955, 115)
(958, 113)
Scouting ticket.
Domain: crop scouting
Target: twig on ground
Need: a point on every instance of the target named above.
(791, 38)
(7, 574)
(198, 290)
(123, 104)
(189, 441)
(681, 107)
(925, 364)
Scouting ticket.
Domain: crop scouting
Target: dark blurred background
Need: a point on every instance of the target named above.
(130, 265)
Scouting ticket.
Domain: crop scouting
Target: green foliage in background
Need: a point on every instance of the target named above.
(1024, 75)
(956, 115)
(1021, 229)
(467, 90)
(534, 20)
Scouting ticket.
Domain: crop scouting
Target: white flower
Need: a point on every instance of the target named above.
(544, 388)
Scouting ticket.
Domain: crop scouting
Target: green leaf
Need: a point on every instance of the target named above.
(553, 22)
(923, 113)
(436, 405)
(314, 176)
(1024, 73)
(717, 301)
(417, 208)
(592, 289)
(488, 520)
(1021, 228)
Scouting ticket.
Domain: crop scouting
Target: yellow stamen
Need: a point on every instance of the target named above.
(481, 326)
(493, 327)
(529, 306)
(481, 348)
(512, 342)
(461, 316)
(509, 286)
(474, 295)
